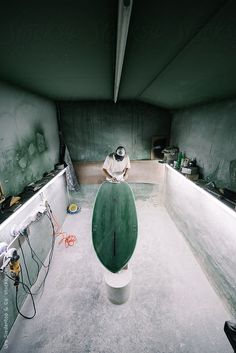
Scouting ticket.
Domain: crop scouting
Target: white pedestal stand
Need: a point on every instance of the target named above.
(118, 285)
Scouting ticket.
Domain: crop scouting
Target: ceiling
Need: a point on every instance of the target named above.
(178, 53)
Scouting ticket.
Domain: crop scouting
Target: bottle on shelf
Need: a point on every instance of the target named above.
(179, 160)
(182, 160)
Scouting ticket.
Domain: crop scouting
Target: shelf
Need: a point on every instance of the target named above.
(28, 197)
(221, 203)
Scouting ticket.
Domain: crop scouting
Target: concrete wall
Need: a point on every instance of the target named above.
(93, 129)
(29, 144)
(209, 134)
(209, 228)
(40, 237)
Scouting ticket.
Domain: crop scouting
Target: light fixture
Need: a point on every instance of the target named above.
(124, 13)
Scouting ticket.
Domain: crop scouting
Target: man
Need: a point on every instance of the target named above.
(116, 168)
(116, 165)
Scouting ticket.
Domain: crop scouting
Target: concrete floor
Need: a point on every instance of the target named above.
(172, 307)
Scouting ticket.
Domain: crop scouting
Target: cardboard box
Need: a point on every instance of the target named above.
(189, 170)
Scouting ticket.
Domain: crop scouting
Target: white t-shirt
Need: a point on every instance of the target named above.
(116, 168)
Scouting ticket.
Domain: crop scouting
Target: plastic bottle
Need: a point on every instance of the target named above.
(182, 159)
(180, 156)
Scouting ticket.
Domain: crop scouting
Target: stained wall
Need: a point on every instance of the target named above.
(208, 133)
(29, 143)
(91, 130)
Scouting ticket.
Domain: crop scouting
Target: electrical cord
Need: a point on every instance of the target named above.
(23, 282)
(33, 302)
(68, 239)
(27, 272)
(26, 268)
(16, 298)
(50, 254)
(33, 254)
(24, 285)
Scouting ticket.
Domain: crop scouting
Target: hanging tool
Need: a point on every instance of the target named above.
(15, 267)
(11, 258)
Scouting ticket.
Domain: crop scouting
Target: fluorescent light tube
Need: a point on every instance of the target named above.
(124, 13)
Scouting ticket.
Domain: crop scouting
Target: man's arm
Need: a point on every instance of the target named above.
(106, 167)
(107, 174)
(125, 175)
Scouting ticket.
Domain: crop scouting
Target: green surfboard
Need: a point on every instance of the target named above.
(114, 225)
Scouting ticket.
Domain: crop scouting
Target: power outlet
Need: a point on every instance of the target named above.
(35, 215)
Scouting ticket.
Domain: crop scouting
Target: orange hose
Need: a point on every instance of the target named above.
(68, 239)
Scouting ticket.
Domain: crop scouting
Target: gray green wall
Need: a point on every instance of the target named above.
(29, 144)
(93, 129)
(209, 133)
